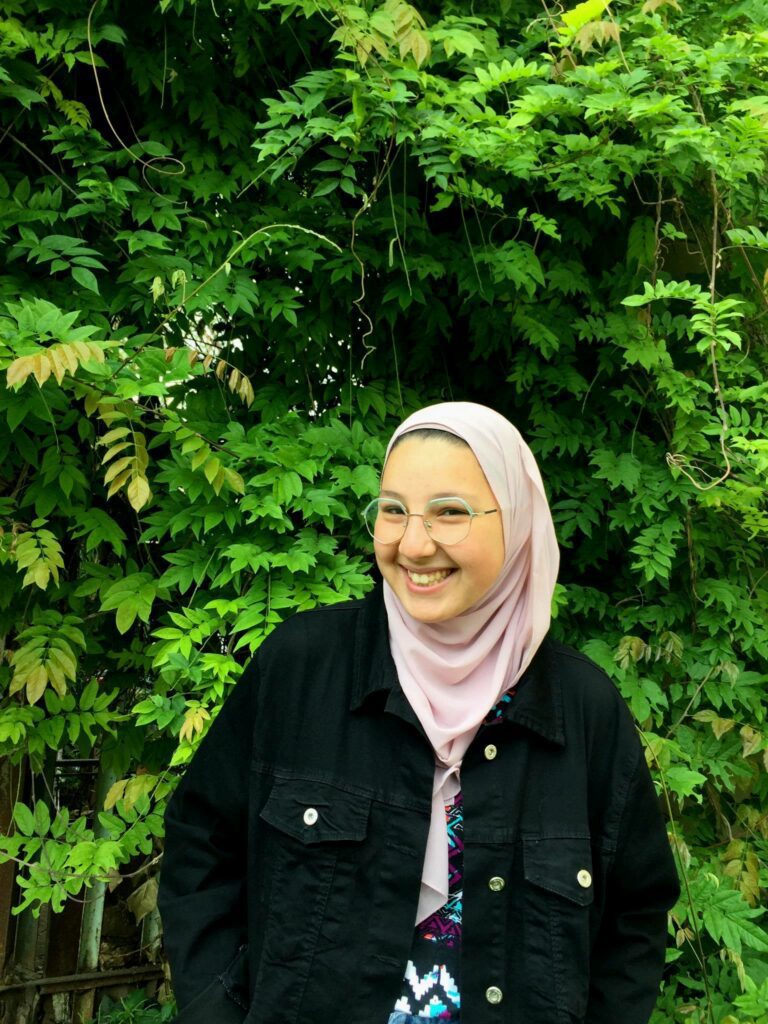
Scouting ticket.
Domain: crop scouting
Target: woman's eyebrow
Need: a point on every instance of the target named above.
(442, 494)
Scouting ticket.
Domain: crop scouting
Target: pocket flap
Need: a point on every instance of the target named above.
(315, 812)
(560, 865)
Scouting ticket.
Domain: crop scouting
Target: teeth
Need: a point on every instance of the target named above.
(428, 579)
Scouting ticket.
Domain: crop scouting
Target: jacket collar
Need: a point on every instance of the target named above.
(537, 704)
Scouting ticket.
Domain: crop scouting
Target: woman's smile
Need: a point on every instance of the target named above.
(426, 581)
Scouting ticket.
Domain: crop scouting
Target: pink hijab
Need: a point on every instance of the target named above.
(481, 653)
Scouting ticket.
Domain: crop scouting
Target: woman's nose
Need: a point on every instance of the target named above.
(416, 541)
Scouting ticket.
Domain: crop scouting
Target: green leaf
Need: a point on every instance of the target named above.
(24, 819)
(86, 278)
(642, 243)
(126, 613)
(730, 920)
(684, 781)
(325, 187)
(583, 13)
(42, 818)
(88, 695)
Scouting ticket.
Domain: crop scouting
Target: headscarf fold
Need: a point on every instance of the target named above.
(453, 672)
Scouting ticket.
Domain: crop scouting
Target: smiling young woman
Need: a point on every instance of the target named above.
(419, 806)
(435, 582)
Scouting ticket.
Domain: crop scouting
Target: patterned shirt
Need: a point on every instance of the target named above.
(431, 982)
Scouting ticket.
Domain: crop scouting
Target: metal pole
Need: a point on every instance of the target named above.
(93, 911)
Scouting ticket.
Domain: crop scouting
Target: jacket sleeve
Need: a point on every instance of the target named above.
(202, 887)
(628, 955)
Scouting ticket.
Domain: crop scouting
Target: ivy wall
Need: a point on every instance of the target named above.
(241, 241)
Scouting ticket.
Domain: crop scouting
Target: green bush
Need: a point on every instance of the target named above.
(243, 242)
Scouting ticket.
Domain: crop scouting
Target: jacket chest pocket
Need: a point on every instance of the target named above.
(559, 892)
(313, 843)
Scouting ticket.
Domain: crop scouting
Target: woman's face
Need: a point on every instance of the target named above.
(418, 470)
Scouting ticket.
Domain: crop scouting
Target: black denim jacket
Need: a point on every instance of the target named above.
(295, 844)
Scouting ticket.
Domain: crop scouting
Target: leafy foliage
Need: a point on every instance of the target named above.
(560, 214)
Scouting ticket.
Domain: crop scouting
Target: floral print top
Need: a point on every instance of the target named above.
(431, 982)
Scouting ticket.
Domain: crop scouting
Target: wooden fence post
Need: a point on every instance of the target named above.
(10, 781)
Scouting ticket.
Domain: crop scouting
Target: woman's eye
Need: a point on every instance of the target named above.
(451, 513)
(392, 510)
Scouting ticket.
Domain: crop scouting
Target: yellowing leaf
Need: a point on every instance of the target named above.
(118, 482)
(42, 368)
(56, 678)
(68, 357)
(235, 481)
(751, 740)
(417, 44)
(245, 391)
(651, 6)
(86, 351)
(38, 574)
(61, 653)
(138, 492)
(118, 467)
(144, 899)
(720, 726)
(18, 682)
(194, 720)
(115, 450)
(140, 785)
(114, 793)
(749, 883)
(19, 370)
(683, 852)
(59, 369)
(91, 403)
(596, 32)
(36, 684)
(114, 435)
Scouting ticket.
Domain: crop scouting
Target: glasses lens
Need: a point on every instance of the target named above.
(450, 520)
(385, 520)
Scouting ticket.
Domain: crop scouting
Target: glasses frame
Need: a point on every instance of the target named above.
(427, 523)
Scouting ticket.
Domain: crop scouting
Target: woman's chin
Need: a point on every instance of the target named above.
(427, 608)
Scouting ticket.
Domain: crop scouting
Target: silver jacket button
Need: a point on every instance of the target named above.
(494, 995)
(584, 878)
(490, 752)
(310, 816)
(496, 884)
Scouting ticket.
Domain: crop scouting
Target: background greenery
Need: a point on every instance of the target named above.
(243, 239)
